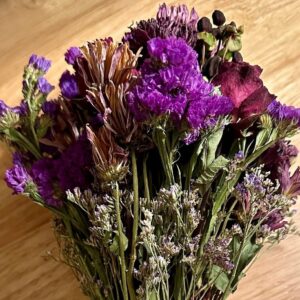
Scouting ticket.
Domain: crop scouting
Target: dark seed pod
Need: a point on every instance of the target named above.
(204, 24)
(237, 57)
(218, 18)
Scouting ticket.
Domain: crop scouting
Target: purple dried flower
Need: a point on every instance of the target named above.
(218, 252)
(97, 121)
(44, 86)
(283, 112)
(204, 111)
(40, 63)
(275, 220)
(3, 108)
(72, 54)
(17, 178)
(73, 165)
(68, 85)
(278, 160)
(44, 175)
(239, 155)
(50, 108)
(21, 109)
(171, 21)
(171, 84)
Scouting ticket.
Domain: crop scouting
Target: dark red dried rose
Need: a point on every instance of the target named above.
(241, 83)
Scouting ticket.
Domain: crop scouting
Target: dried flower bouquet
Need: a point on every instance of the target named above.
(165, 160)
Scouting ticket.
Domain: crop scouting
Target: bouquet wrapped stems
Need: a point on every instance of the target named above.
(165, 160)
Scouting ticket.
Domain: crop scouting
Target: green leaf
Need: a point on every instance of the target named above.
(219, 277)
(114, 247)
(208, 39)
(213, 143)
(227, 55)
(234, 44)
(209, 173)
(249, 252)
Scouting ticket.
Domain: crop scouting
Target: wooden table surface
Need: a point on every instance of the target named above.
(49, 27)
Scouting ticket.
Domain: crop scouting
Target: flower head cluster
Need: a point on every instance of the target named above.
(218, 252)
(171, 21)
(40, 63)
(17, 178)
(171, 84)
(282, 112)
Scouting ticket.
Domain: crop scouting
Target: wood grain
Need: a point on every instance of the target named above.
(48, 27)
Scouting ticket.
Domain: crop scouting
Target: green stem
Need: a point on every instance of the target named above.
(121, 245)
(146, 183)
(135, 224)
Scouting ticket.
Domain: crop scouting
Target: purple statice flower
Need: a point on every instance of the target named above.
(283, 112)
(204, 111)
(68, 85)
(3, 108)
(72, 54)
(44, 174)
(239, 155)
(243, 194)
(50, 108)
(40, 63)
(171, 21)
(44, 86)
(218, 252)
(17, 178)
(21, 109)
(171, 84)
(74, 164)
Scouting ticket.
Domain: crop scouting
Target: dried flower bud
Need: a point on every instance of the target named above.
(204, 24)
(218, 18)
(237, 57)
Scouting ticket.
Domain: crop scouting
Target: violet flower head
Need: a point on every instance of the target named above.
(72, 54)
(17, 178)
(283, 112)
(43, 173)
(44, 86)
(68, 85)
(74, 164)
(3, 108)
(171, 84)
(40, 63)
(50, 108)
(21, 109)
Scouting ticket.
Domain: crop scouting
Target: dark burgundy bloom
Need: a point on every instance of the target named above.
(278, 161)
(275, 220)
(241, 83)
